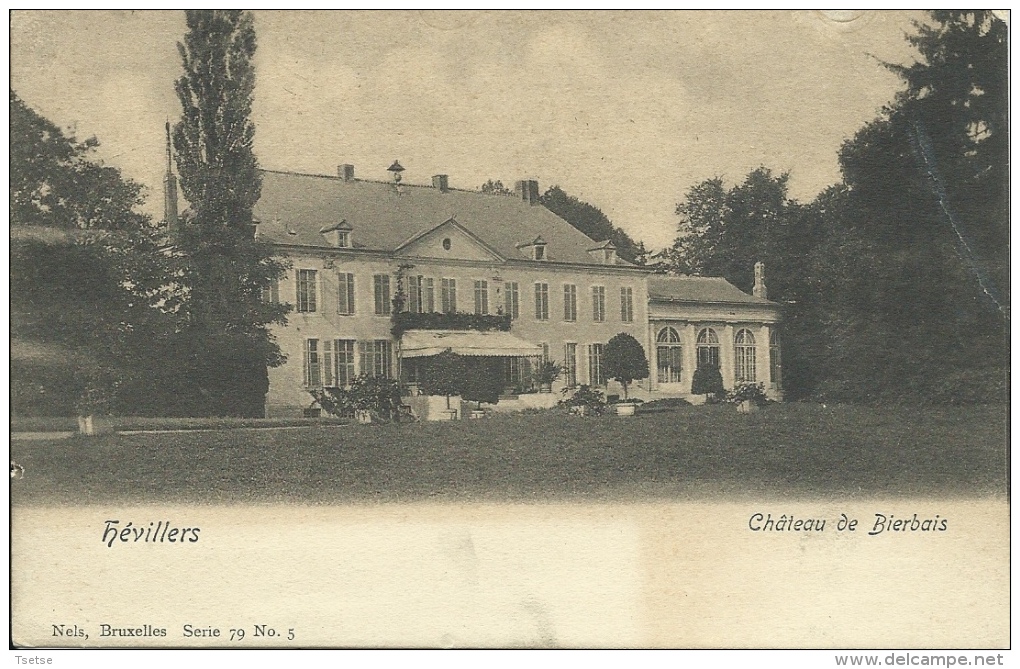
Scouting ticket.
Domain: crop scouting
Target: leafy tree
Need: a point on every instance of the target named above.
(56, 181)
(495, 188)
(590, 220)
(85, 273)
(725, 232)
(707, 381)
(223, 267)
(956, 105)
(625, 360)
(904, 292)
(443, 374)
(483, 381)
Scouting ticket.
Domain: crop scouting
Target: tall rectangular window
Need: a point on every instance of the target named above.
(376, 357)
(569, 302)
(428, 294)
(542, 301)
(344, 354)
(313, 364)
(511, 296)
(382, 294)
(306, 279)
(598, 303)
(570, 364)
(627, 305)
(327, 364)
(271, 293)
(481, 297)
(345, 294)
(448, 295)
(596, 374)
(545, 352)
(414, 294)
(421, 297)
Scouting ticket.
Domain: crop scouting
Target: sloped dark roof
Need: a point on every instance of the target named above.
(295, 207)
(699, 289)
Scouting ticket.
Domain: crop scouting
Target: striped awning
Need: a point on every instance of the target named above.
(420, 343)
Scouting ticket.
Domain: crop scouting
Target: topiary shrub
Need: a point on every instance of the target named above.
(625, 360)
(707, 381)
(483, 381)
(443, 374)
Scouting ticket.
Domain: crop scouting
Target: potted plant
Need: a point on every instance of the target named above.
(748, 396)
(444, 374)
(584, 401)
(94, 401)
(545, 374)
(625, 362)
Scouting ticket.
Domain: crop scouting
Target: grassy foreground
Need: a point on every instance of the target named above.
(694, 452)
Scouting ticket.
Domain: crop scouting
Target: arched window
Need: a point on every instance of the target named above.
(743, 347)
(775, 360)
(668, 355)
(708, 348)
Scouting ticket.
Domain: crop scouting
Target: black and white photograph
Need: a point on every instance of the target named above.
(511, 329)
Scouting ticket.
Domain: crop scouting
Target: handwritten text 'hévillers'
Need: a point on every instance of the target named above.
(761, 522)
(155, 533)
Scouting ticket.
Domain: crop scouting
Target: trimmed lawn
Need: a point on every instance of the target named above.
(693, 452)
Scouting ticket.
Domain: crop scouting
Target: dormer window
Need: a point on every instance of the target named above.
(604, 253)
(338, 235)
(535, 249)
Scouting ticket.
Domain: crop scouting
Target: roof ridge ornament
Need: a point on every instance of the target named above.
(396, 168)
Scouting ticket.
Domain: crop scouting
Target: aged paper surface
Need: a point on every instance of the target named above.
(643, 568)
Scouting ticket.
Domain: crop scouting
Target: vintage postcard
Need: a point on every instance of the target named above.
(510, 329)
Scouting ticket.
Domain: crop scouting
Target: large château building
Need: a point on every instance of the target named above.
(354, 245)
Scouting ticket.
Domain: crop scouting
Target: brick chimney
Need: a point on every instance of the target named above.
(759, 281)
(345, 172)
(527, 190)
(441, 182)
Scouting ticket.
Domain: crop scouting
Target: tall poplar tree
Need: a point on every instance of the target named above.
(224, 268)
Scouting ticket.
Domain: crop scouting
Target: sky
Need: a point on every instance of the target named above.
(625, 110)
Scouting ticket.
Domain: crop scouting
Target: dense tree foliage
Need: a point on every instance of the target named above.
(223, 267)
(956, 108)
(495, 188)
(86, 274)
(590, 220)
(893, 282)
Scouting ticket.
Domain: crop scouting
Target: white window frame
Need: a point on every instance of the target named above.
(542, 301)
(312, 363)
(665, 345)
(512, 299)
(481, 297)
(570, 363)
(598, 304)
(308, 303)
(448, 295)
(345, 290)
(627, 304)
(381, 284)
(569, 302)
(596, 364)
(745, 357)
